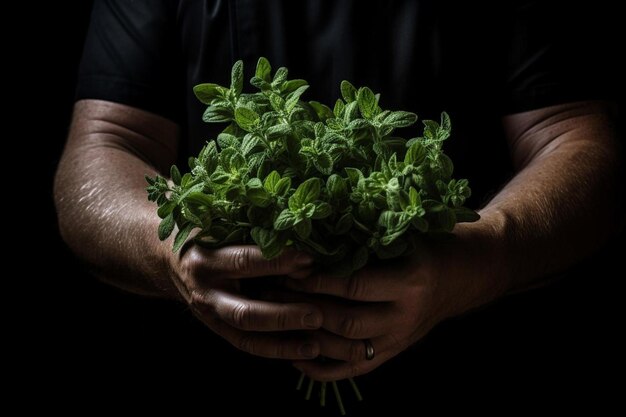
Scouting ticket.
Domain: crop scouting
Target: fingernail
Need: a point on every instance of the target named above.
(307, 351)
(311, 320)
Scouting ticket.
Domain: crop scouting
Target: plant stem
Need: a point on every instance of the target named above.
(355, 388)
(309, 390)
(342, 410)
(300, 381)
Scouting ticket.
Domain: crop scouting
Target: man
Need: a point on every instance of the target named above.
(136, 115)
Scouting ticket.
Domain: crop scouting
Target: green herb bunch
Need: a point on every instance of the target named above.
(334, 182)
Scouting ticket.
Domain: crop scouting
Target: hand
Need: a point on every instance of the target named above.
(393, 304)
(209, 281)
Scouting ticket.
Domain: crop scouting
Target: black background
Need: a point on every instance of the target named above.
(553, 348)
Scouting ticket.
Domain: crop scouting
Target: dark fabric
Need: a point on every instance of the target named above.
(475, 60)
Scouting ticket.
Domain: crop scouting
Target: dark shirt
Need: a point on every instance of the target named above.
(478, 61)
(475, 60)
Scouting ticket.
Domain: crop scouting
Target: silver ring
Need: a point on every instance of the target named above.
(369, 349)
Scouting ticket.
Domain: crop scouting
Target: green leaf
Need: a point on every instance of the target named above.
(293, 98)
(292, 85)
(166, 226)
(214, 114)
(400, 119)
(259, 196)
(415, 155)
(249, 144)
(277, 131)
(344, 224)
(463, 214)
(270, 241)
(308, 191)
(339, 108)
(360, 257)
(271, 182)
(392, 249)
(236, 78)
(367, 102)
(285, 220)
(246, 118)
(207, 92)
(181, 236)
(337, 187)
(322, 210)
(323, 112)
(446, 126)
(358, 124)
(420, 224)
(307, 211)
(351, 112)
(277, 102)
(283, 186)
(263, 69)
(260, 84)
(324, 163)
(226, 140)
(279, 77)
(303, 229)
(166, 209)
(354, 175)
(414, 197)
(447, 219)
(175, 175)
(348, 92)
(335, 124)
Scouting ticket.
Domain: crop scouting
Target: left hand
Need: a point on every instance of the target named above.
(393, 305)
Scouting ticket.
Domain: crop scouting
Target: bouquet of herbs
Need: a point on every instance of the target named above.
(335, 182)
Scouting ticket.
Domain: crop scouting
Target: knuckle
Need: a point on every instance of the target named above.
(281, 320)
(357, 351)
(241, 259)
(246, 343)
(241, 316)
(350, 327)
(197, 300)
(354, 287)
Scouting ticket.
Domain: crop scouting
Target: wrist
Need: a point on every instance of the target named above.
(476, 263)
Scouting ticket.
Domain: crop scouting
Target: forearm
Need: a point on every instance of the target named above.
(560, 207)
(104, 215)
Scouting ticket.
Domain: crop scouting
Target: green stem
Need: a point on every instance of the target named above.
(323, 395)
(309, 390)
(355, 388)
(342, 410)
(300, 381)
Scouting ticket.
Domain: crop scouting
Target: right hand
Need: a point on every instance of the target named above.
(209, 281)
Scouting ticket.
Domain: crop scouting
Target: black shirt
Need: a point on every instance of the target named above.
(476, 60)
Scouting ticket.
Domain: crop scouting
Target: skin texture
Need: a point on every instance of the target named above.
(541, 222)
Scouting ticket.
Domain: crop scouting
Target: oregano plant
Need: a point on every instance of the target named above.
(335, 182)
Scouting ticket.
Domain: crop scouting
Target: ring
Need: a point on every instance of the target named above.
(369, 349)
